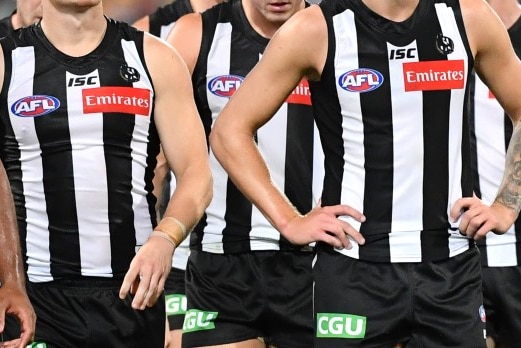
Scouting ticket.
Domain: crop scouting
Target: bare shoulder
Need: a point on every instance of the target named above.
(304, 36)
(142, 23)
(186, 29)
(481, 22)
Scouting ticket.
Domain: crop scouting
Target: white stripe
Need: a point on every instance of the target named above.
(139, 146)
(165, 30)
(490, 144)
(353, 182)
(407, 111)
(88, 159)
(449, 27)
(37, 239)
(218, 65)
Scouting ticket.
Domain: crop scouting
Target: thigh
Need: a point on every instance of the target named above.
(502, 300)
(359, 304)
(223, 299)
(288, 285)
(175, 298)
(95, 316)
(449, 303)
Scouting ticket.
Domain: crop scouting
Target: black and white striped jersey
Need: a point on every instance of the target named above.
(163, 19)
(491, 133)
(79, 145)
(289, 141)
(392, 114)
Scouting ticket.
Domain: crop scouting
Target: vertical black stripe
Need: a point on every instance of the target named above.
(298, 180)
(377, 114)
(327, 111)
(10, 153)
(436, 111)
(238, 208)
(117, 136)
(58, 172)
(328, 116)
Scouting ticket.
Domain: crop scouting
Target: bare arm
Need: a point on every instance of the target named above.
(297, 50)
(186, 37)
(184, 145)
(499, 67)
(13, 298)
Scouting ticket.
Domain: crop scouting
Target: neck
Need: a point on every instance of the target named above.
(75, 32)
(394, 10)
(508, 11)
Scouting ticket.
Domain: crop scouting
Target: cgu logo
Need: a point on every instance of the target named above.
(196, 320)
(361, 80)
(333, 325)
(175, 304)
(225, 85)
(35, 105)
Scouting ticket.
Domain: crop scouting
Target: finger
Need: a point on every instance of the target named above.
(128, 281)
(339, 210)
(142, 292)
(353, 233)
(331, 240)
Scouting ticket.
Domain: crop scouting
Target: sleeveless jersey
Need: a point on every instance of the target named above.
(6, 26)
(161, 23)
(164, 18)
(79, 145)
(491, 133)
(391, 110)
(289, 142)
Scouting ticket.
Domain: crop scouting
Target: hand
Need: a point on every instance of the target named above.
(477, 218)
(147, 274)
(14, 301)
(322, 224)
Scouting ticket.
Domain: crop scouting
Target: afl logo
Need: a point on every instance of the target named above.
(361, 80)
(35, 105)
(225, 85)
(482, 314)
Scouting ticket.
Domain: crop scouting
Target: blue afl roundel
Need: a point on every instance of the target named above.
(361, 80)
(35, 105)
(225, 85)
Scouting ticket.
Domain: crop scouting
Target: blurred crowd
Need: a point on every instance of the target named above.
(125, 10)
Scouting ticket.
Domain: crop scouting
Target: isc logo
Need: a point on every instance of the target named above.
(225, 85)
(361, 80)
(35, 105)
(333, 325)
(82, 81)
(402, 53)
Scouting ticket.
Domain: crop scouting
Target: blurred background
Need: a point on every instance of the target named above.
(125, 10)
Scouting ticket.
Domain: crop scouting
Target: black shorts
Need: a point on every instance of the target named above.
(89, 313)
(237, 297)
(175, 298)
(502, 301)
(428, 305)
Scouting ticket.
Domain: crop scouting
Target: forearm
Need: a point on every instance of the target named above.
(192, 195)
(251, 175)
(11, 269)
(509, 193)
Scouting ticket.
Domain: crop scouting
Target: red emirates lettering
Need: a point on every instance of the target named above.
(300, 95)
(127, 100)
(434, 75)
(491, 95)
